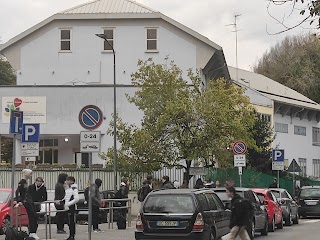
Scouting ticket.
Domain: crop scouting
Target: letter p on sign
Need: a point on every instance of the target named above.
(31, 132)
(278, 155)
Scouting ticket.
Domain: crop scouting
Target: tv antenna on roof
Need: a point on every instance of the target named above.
(236, 30)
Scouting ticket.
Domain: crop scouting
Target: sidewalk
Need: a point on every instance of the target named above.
(82, 233)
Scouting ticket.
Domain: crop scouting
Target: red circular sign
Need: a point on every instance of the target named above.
(239, 147)
(90, 117)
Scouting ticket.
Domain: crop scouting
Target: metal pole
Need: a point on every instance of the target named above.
(278, 179)
(293, 178)
(90, 198)
(114, 120)
(13, 169)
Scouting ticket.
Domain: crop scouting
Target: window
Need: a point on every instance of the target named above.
(162, 203)
(48, 152)
(265, 117)
(65, 39)
(152, 36)
(315, 136)
(316, 167)
(203, 203)
(298, 130)
(281, 127)
(218, 202)
(212, 204)
(109, 32)
(303, 165)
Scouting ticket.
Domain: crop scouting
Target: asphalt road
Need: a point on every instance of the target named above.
(308, 229)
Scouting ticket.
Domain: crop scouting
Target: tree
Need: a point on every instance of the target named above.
(309, 9)
(182, 124)
(263, 135)
(294, 63)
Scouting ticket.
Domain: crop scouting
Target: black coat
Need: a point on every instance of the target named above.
(22, 194)
(241, 211)
(38, 195)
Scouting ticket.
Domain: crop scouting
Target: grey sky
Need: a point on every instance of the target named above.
(208, 17)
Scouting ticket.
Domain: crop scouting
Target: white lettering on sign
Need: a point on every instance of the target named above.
(29, 131)
(239, 160)
(90, 136)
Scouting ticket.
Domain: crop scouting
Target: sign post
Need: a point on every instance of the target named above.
(239, 149)
(16, 121)
(278, 162)
(293, 168)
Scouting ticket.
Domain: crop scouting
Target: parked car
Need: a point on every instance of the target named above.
(289, 206)
(5, 210)
(82, 207)
(309, 201)
(178, 214)
(259, 222)
(274, 210)
(52, 207)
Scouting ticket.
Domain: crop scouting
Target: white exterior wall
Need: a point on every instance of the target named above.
(297, 146)
(43, 64)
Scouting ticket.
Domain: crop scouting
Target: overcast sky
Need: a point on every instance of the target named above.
(208, 17)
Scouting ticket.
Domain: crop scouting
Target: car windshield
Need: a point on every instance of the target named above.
(224, 197)
(260, 196)
(4, 196)
(310, 192)
(169, 204)
(276, 193)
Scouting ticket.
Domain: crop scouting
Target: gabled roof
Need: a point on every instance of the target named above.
(272, 89)
(109, 6)
(110, 9)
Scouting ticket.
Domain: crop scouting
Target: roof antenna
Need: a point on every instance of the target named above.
(236, 30)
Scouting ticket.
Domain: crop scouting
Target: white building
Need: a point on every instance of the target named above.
(295, 119)
(62, 66)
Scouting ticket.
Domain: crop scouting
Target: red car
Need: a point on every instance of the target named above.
(5, 201)
(274, 210)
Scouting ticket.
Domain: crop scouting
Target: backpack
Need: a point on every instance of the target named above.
(86, 194)
(143, 192)
(244, 209)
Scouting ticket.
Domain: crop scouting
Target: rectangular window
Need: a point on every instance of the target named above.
(303, 165)
(152, 39)
(266, 117)
(315, 136)
(281, 127)
(65, 39)
(48, 152)
(316, 168)
(298, 130)
(109, 44)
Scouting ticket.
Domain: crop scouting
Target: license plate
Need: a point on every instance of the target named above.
(84, 212)
(311, 203)
(167, 223)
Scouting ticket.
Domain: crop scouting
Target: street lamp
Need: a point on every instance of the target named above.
(104, 37)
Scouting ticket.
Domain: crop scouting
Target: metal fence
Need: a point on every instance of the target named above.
(81, 175)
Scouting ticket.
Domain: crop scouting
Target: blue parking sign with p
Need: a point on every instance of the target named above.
(30, 132)
(278, 155)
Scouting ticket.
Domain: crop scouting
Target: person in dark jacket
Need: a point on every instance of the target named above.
(240, 217)
(38, 193)
(96, 203)
(199, 184)
(166, 184)
(59, 193)
(274, 184)
(24, 198)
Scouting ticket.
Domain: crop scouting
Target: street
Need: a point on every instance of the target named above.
(307, 229)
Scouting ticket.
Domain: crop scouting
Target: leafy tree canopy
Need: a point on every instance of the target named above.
(7, 76)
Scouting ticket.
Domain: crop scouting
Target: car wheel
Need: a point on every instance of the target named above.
(296, 219)
(212, 235)
(5, 222)
(253, 230)
(272, 226)
(288, 220)
(265, 231)
(280, 224)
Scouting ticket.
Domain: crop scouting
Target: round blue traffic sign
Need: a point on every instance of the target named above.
(239, 147)
(90, 117)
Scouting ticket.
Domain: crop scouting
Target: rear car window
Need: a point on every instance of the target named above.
(276, 194)
(224, 197)
(310, 192)
(169, 204)
(260, 196)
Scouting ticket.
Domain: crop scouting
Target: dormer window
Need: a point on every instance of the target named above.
(152, 39)
(65, 40)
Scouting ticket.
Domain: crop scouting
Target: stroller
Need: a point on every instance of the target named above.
(13, 234)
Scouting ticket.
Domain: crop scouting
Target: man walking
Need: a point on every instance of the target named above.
(240, 215)
(59, 193)
(96, 203)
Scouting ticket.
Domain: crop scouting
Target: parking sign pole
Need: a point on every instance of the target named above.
(90, 198)
(13, 169)
(278, 179)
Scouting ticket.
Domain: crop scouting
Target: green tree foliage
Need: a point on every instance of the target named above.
(294, 62)
(181, 123)
(7, 76)
(6, 149)
(263, 135)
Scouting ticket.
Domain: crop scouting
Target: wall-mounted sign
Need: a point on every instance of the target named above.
(34, 108)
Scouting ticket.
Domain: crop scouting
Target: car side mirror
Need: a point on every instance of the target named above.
(281, 201)
(265, 203)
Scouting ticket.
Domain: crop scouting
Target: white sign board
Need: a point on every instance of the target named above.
(29, 153)
(239, 160)
(34, 108)
(90, 136)
(30, 146)
(240, 170)
(198, 171)
(89, 146)
(277, 166)
(30, 159)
